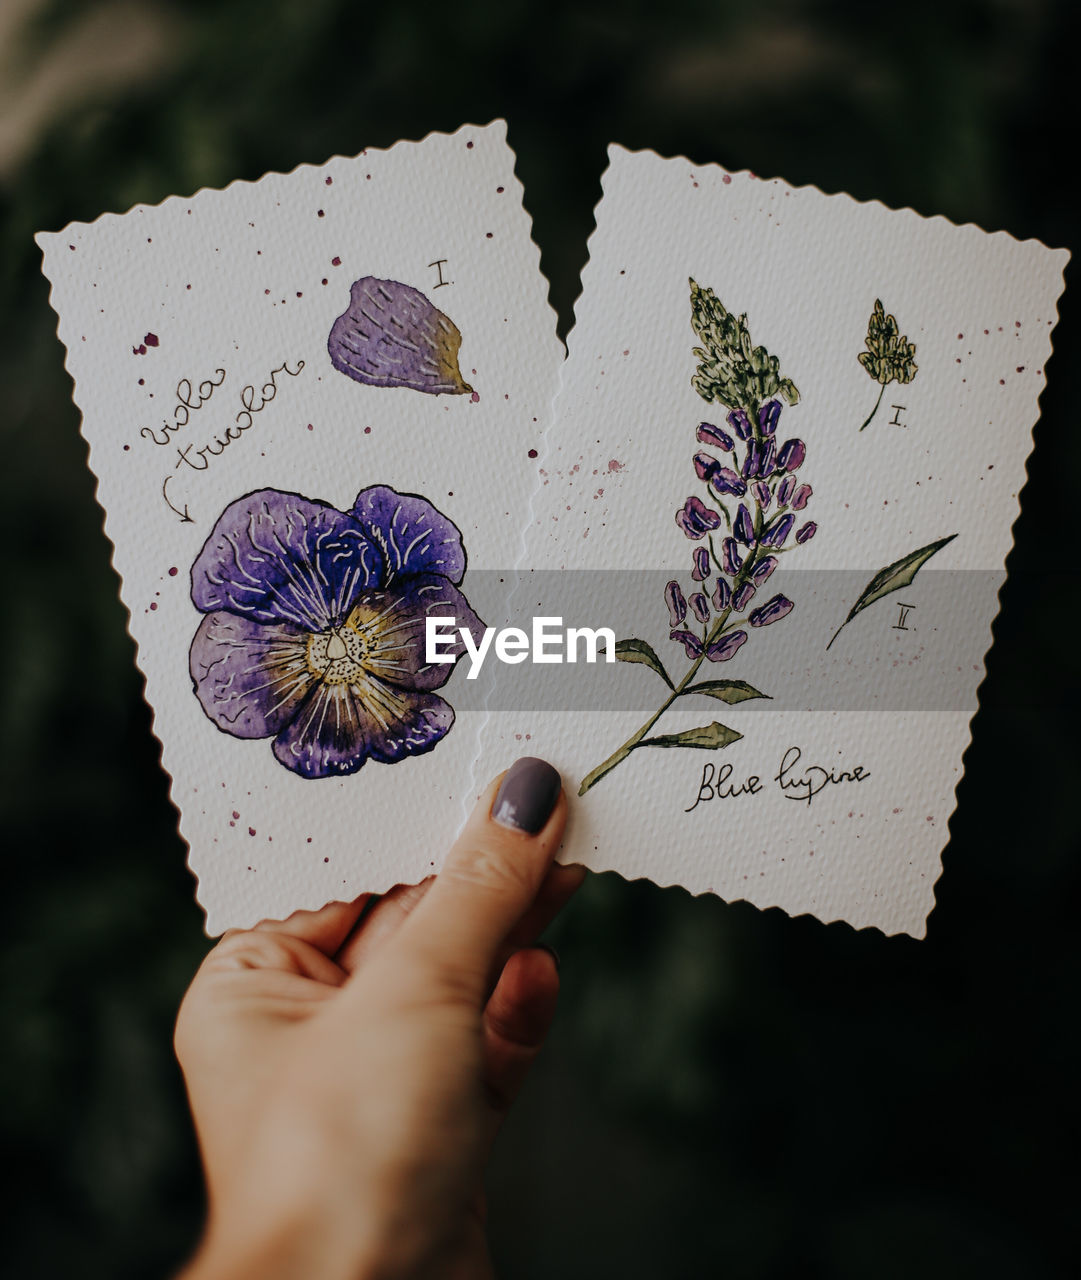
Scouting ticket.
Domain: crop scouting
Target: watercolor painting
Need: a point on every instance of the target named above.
(314, 624)
(711, 623)
(391, 335)
(889, 357)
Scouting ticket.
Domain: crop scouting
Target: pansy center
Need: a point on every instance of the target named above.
(336, 656)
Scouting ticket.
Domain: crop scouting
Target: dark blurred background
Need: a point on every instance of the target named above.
(727, 1091)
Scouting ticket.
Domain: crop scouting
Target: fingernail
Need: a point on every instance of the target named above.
(545, 946)
(527, 795)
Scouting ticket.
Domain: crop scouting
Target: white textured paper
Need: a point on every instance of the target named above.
(806, 268)
(248, 281)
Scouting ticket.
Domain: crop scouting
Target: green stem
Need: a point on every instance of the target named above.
(881, 393)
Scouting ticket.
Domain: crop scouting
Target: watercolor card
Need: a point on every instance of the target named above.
(310, 403)
(782, 476)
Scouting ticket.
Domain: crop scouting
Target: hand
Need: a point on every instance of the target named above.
(348, 1073)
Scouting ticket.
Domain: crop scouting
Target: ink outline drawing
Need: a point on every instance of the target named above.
(392, 335)
(889, 357)
(314, 621)
(747, 381)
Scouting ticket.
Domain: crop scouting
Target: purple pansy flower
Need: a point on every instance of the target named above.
(314, 633)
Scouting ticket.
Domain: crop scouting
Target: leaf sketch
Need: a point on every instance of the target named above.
(760, 474)
(892, 578)
(889, 356)
(391, 335)
(314, 626)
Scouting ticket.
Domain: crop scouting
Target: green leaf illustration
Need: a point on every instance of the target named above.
(727, 690)
(709, 738)
(892, 578)
(639, 651)
(732, 371)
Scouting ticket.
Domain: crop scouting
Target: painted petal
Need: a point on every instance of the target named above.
(740, 424)
(677, 605)
(725, 481)
(704, 465)
(249, 678)
(791, 455)
(742, 598)
(700, 605)
(726, 646)
(690, 642)
(340, 726)
(709, 434)
(722, 594)
(764, 568)
(772, 611)
(413, 536)
(743, 526)
(799, 498)
(701, 569)
(278, 557)
(696, 519)
(393, 336)
(806, 532)
(768, 415)
(391, 624)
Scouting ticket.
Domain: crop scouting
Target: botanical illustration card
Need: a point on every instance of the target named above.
(783, 472)
(313, 405)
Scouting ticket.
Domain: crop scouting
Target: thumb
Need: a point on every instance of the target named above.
(490, 878)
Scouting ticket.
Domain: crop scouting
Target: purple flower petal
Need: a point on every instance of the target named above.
(791, 455)
(726, 647)
(767, 456)
(696, 519)
(806, 532)
(751, 462)
(799, 498)
(778, 531)
(393, 336)
(677, 605)
(700, 605)
(725, 481)
(763, 569)
(700, 572)
(731, 560)
(722, 594)
(740, 424)
(249, 678)
(743, 526)
(709, 434)
(339, 726)
(690, 642)
(705, 466)
(413, 535)
(772, 611)
(784, 490)
(279, 557)
(742, 598)
(768, 415)
(761, 493)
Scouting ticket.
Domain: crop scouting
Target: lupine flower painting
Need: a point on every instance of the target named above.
(313, 633)
(747, 513)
